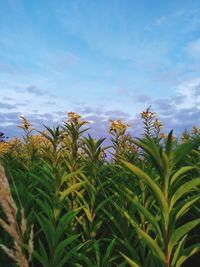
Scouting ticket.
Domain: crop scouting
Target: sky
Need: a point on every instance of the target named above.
(104, 59)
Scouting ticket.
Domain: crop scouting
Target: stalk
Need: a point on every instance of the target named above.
(166, 195)
(166, 252)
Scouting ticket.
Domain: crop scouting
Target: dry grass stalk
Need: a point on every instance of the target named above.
(11, 226)
(30, 245)
(23, 222)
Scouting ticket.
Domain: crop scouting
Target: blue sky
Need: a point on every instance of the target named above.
(101, 58)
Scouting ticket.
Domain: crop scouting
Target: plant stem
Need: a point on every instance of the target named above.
(167, 253)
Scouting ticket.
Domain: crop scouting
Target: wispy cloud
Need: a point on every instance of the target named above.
(6, 106)
(142, 98)
(34, 90)
(190, 90)
(13, 69)
(193, 49)
(160, 20)
(105, 59)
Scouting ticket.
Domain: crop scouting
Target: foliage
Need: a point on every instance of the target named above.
(140, 208)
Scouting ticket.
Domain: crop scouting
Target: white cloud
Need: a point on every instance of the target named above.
(190, 91)
(28, 99)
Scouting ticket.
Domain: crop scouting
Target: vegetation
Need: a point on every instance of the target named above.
(65, 204)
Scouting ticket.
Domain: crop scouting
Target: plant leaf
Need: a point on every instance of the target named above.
(129, 261)
(180, 232)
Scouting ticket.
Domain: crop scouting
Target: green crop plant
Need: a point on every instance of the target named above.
(139, 206)
(158, 220)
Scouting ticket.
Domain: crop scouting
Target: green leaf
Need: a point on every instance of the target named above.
(48, 183)
(97, 252)
(189, 252)
(67, 259)
(45, 207)
(154, 247)
(113, 220)
(47, 228)
(60, 249)
(102, 204)
(180, 232)
(42, 257)
(129, 248)
(152, 149)
(64, 221)
(151, 219)
(185, 188)
(186, 206)
(129, 261)
(181, 151)
(85, 260)
(106, 256)
(169, 143)
(67, 176)
(154, 187)
(68, 191)
(180, 172)
(178, 250)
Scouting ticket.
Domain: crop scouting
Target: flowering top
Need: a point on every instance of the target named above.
(196, 130)
(147, 114)
(73, 117)
(4, 147)
(118, 127)
(25, 124)
(158, 125)
(185, 137)
(14, 142)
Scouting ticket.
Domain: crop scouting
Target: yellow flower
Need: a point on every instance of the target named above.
(163, 135)
(147, 114)
(40, 141)
(185, 137)
(71, 114)
(25, 124)
(73, 117)
(15, 141)
(158, 125)
(4, 147)
(15, 146)
(195, 130)
(118, 127)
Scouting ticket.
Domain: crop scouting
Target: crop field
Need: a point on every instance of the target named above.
(67, 200)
